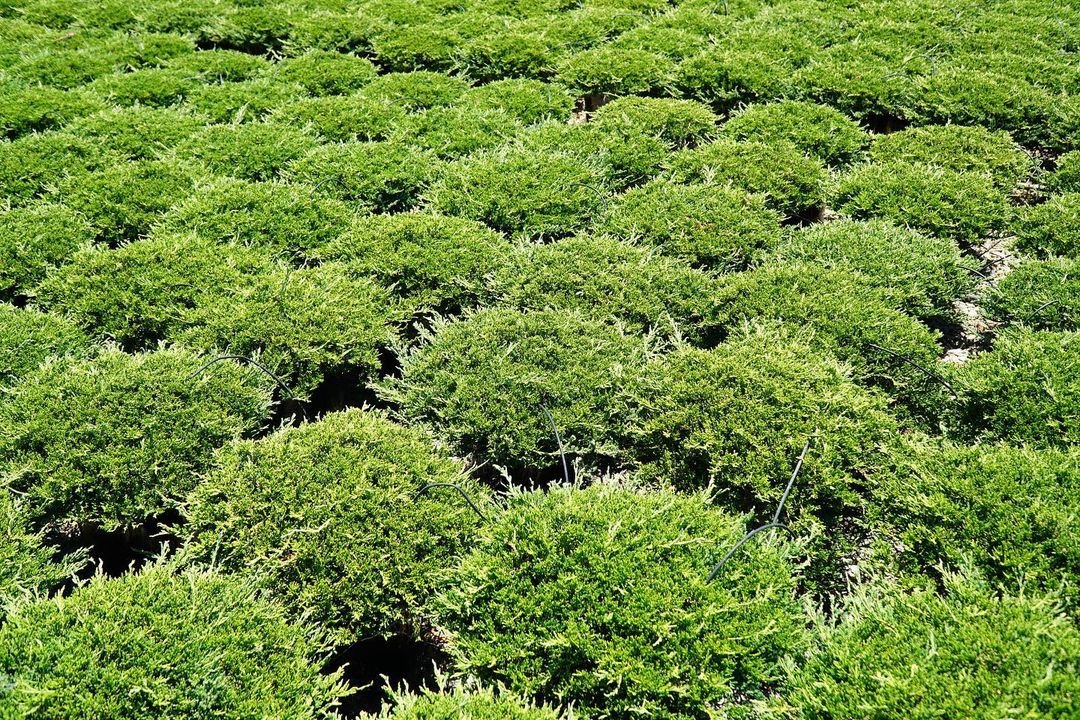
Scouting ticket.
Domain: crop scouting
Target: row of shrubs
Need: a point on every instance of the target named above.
(849, 57)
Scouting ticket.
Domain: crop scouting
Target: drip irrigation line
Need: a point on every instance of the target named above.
(791, 482)
(558, 440)
(280, 383)
(926, 371)
(1039, 309)
(720, 565)
(463, 494)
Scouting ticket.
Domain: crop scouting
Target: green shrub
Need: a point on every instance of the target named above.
(27, 568)
(920, 274)
(134, 294)
(508, 53)
(257, 29)
(430, 261)
(427, 45)
(1042, 294)
(30, 337)
(152, 87)
(339, 118)
(25, 110)
(114, 440)
(372, 562)
(791, 182)
(153, 645)
(1026, 389)
(416, 90)
(530, 101)
(482, 383)
(271, 215)
(137, 133)
(379, 176)
(610, 279)
(970, 654)
(623, 155)
(303, 324)
(250, 151)
(30, 165)
(323, 72)
(450, 132)
(1066, 176)
(478, 704)
(520, 191)
(331, 29)
(121, 202)
(958, 148)
(678, 123)
(33, 239)
(671, 42)
(614, 71)
(598, 598)
(1052, 228)
(818, 130)
(246, 101)
(964, 206)
(725, 75)
(1009, 511)
(848, 316)
(712, 227)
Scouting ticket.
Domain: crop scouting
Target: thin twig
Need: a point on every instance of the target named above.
(464, 494)
(281, 384)
(558, 439)
(912, 363)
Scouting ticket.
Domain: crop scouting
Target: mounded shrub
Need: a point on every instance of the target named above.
(303, 324)
(671, 42)
(327, 29)
(520, 191)
(32, 164)
(819, 131)
(725, 75)
(959, 148)
(606, 278)
(482, 383)
(138, 133)
(920, 274)
(325, 518)
(969, 654)
(848, 316)
(324, 72)
(378, 176)
(1052, 228)
(272, 215)
(119, 438)
(339, 118)
(1026, 389)
(597, 598)
(964, 206)
(152, 87)
(1042, 294)
(451, 132)
(718, 228)
(622, 154)
(466, 704)
(416, 90)
(508, 53)
(38, 108)
(428, 45)
(1066, 176)
(791, 182)
(202, 645)
(530, 101)
(27, 568)
(242, 101)
(434, 262)
(33, 239)
(613, 71)
(29, 337)
(134, 294)
(678, 123)
(1007, 510)
(121, 202)
(249, 151)
(260, 29)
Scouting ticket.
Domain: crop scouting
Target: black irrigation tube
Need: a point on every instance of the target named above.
(463, 494)
(774, 523)
(558, 440)
(974, 271)
(602, 196)
(251, 361)
(1039, 309)
(926, 371)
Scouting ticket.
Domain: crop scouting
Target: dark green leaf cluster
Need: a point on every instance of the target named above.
(242, 100)
(791, 182)
(325, 72)
(920, 274)
(27, 567)
(1066, 175)
(455, 131)
(616, 71)
(482, 384)
(679, 123)
(202, 645)
(28, 337)
(435, 262)
(150, 87)
(1042, 294)
(598, 598)
(715, 227)
(116, 439)
(32, 164)
(818, 130)
(418, 90)
(326, 518)
(380, 176)
(26, 110)
(1052, 228)
(339, 118)
(137, 133)
(249, 151)
(34, 238)
(623, 154)
(530, 101)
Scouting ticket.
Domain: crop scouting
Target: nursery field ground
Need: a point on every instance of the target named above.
(539, 359)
